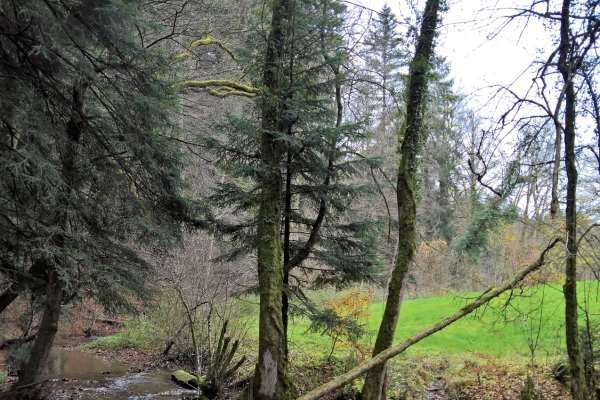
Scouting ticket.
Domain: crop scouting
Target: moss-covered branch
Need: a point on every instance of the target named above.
(204, 42)
(218, 87)
(399, 348)
(224, 87)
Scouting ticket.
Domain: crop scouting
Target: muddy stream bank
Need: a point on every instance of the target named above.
(76, 374)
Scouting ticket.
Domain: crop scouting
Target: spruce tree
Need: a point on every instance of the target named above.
(385, 57)
(292, 161)
(90, 180)
(317, 163)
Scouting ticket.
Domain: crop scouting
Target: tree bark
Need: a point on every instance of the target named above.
(410, 137)
(270, 376)
(566, 66)
(554, 203)
(382, 357)
(36, 363)
(285, 306)
(8, 296)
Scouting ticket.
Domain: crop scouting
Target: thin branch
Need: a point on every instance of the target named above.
(480, 176)
(586, 232)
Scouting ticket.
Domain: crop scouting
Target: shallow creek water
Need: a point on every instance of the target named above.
(88, 377)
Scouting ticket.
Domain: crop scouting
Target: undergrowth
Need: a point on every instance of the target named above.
(137, 335)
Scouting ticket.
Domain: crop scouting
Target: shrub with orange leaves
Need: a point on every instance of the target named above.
(344, 321)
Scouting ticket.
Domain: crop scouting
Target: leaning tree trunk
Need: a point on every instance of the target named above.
(35, 273)
(566, 65)
(270, 377)
(9, 295)
(410, 137)
(35, 367)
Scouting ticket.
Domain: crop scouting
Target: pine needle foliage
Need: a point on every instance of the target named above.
(326, 240)
(90, 166)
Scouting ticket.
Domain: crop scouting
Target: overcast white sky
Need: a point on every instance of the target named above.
(478, 61)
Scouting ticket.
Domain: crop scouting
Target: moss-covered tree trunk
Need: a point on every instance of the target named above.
(270, 379)
(566, 66)
(287, 224)
(409, 136)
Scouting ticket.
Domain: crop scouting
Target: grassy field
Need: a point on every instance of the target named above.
(483, 354)
(533, 316)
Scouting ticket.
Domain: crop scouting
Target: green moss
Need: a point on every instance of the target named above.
(184, 379)
(224, 87)
(204, 42)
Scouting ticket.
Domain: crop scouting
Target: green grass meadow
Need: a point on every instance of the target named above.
(506, 327)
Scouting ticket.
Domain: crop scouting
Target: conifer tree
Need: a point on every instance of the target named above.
(293, 160)
(385, 56)
(90, 177)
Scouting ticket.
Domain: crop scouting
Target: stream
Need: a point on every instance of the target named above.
(81, 375)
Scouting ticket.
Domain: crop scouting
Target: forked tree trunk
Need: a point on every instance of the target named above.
(270, 377)
(410, 136)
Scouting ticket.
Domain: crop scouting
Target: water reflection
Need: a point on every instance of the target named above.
(75, 364)
(80, 375)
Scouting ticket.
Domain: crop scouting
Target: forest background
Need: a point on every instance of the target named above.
(154, 153)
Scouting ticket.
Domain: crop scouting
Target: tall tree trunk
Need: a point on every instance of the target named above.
(35, 366)
(566, 66)
(38, 358)
(554, 203)
(410, 135)
(270, 377)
